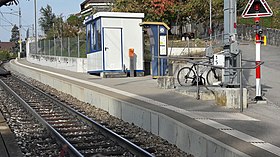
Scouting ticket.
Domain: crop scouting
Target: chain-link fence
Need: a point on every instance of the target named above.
(66, 47)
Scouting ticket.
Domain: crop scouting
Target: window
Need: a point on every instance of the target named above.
(88, 39)
(98, 34)
(94, 36)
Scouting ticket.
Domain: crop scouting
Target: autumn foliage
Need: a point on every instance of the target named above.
(162, 6)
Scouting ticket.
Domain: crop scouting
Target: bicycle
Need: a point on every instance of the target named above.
(188, 76)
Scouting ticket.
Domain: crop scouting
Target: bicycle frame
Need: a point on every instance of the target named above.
(194, 75)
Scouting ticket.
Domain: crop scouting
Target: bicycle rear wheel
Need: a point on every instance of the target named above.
(186, 76)
(213, 77)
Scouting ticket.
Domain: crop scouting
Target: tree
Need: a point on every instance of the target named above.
(47, 18)
(73, 26)
(155, 10)
(174, 10)
(54, 26)
(69, 28)
(15, 38)
(75, 21)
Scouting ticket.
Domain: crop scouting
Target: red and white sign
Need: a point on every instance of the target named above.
(257, 8)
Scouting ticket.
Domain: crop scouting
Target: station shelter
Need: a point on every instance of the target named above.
(110, 36)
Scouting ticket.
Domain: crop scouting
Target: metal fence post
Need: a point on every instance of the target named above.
(54, 45)
(61, 46)
(41, 47)
(68, 39)
(78, 46)
(44, 47)
(49, 47)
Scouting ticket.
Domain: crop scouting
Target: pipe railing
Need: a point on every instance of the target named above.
(201, 61)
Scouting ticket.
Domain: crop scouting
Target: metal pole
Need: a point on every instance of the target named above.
(68, 40)
(54, 42)
(197, 79)
(210, 28)
(49, 47)
(61, 41)
(258, 60)
(158, 58)
(61, 46)
(20, 42)
(44, 45)
(54, 46)
(241, 85)
(230, 44)
(79, 45)
(41, 47)
(36, 33)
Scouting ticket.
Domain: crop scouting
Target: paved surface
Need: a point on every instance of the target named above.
(258, 125)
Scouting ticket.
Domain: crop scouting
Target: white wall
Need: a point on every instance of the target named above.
(132, 37)
(66, 63)
(95, 61)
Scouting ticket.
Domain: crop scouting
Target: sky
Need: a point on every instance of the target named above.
(9, 14)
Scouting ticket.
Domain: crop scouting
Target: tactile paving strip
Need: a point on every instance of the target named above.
(223, 116)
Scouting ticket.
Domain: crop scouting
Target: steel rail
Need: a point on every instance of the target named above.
(51, 130)
(136, 150)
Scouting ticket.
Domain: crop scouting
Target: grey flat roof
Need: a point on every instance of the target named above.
(118, 14)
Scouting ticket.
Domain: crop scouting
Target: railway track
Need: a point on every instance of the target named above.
(77, 134)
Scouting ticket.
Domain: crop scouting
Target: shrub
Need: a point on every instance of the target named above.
(6, 55)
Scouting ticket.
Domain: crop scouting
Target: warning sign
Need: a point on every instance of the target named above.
(257, 8)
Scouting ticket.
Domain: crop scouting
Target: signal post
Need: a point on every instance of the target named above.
(258, 60)
(256, 9)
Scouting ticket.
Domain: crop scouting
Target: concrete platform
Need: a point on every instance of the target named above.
(195, 126)
(8, 144)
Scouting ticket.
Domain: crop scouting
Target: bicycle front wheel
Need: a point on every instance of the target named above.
(186, 76)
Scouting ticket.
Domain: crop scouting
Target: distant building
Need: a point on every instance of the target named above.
(93, 6)
(7, 46)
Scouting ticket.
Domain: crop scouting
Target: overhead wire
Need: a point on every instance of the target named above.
(5, 28)
(11, 24)
(5, 19)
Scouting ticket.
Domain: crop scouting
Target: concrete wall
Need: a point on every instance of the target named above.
(175, 51)
(66, 63)
(186, 138)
